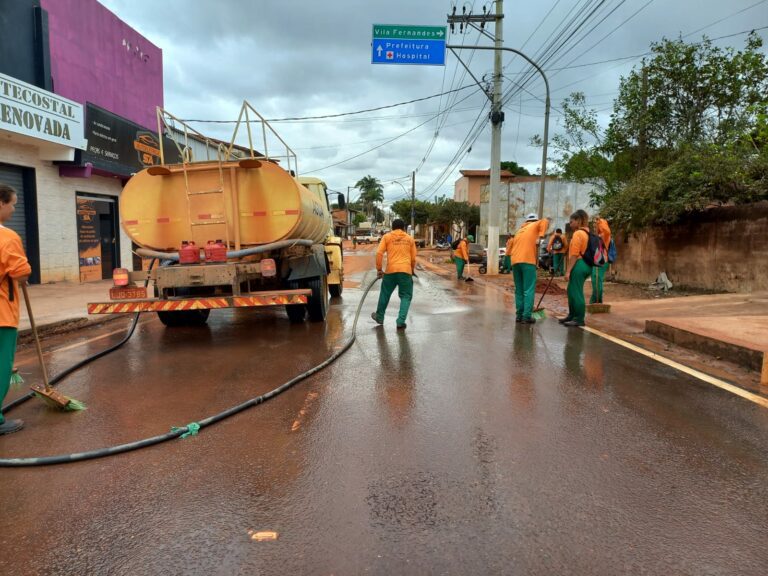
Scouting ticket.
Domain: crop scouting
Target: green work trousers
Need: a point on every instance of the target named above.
(525, 289)
(598, 275)
(577, 306)
(7, 354)
(558, 263)
(459, 267)
(507, 264)
(404, 284)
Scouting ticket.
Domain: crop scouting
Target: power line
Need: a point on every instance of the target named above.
(297, 118)
(725, 18)
(388, 141)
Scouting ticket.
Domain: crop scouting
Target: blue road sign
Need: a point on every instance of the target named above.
(424, 45)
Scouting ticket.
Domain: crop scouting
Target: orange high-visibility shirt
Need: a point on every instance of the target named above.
(562, 250)
(604, 231)
(510, 244)
(462, 251)
(401, 252)
(524, 249)
(13, 264)
(579, 242)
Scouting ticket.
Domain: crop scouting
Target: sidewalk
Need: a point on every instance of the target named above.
(725, 335)
(63, 305)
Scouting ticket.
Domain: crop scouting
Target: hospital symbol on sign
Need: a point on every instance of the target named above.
(390, 55)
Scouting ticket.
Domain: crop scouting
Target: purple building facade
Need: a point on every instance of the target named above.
(98, 58)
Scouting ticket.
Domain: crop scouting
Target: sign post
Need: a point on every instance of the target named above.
(396, 44)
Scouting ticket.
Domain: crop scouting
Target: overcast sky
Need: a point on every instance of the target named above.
(292, 58)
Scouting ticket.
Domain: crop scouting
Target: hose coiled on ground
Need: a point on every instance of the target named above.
(190, 428)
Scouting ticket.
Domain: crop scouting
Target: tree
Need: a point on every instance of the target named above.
(403, 210)
(687, 131)
(515, 168)
(371, 192)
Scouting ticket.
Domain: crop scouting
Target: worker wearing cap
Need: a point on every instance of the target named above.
(508, 254)
(598, 272)
(461, 256)
(558, 254)
(524, 259)
(14, 268)
(400, 249)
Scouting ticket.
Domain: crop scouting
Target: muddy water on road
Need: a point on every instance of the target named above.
(465, 444)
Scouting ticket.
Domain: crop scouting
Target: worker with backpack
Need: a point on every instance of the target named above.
(586, 252)
(598, 272)
(558, 247)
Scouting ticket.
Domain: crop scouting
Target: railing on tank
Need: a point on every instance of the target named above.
(183, 135)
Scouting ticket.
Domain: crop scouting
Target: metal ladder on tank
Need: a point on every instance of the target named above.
(195, 221)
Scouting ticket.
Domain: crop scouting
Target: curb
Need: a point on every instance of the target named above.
(63, 326)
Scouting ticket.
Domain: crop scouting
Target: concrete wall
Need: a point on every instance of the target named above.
(98, 58)
(723, 249)
(56, 212)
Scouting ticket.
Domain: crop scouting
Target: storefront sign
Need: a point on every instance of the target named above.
(28, 110)
(88, 240)
(119, 146)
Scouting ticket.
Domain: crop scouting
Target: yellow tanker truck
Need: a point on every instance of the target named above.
(263, 237)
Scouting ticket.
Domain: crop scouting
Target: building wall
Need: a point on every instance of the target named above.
(724, 249)
(56, 212)
(98, 58)
(461, 189)
(21, 54)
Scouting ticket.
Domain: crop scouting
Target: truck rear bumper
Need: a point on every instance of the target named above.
(254, 299)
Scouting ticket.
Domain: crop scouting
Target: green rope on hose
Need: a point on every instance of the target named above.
(191, 429)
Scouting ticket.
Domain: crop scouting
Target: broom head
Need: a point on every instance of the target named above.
(55, 399)
(539, 314)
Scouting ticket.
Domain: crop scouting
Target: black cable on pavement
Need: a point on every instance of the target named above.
(190, 428)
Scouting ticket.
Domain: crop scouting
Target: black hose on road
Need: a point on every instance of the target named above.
(185, 430)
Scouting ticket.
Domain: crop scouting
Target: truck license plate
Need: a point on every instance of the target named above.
(127, 292)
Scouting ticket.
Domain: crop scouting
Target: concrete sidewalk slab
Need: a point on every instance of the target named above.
(63, 304)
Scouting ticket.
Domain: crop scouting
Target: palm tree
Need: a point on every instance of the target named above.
(371, 192)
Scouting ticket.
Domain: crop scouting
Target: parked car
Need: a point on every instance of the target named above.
(476, 253)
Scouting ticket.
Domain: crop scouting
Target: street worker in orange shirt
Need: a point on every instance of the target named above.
(461, 256)
(602, 229)
(524, 260)
(578, 270)
(400, 249)
(507, 268)
(14, 268)
(558, 247)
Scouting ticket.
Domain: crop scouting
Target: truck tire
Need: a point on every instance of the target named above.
(184, 318)
(296, 312)
(317, 307)
(335, 289)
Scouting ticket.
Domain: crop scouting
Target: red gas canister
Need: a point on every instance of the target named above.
(215, 251)
(189, 253)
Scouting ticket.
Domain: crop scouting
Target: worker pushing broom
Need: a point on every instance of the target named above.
(524, 259)
(14, 271)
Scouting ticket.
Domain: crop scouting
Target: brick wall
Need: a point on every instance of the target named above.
(56, 212)
(723, 249)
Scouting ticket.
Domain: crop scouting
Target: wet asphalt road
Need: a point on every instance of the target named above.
(466, 445)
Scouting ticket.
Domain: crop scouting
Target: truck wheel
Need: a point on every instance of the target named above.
(184, 318)
(317, 307)
(296, 312)
(335, 289)
(482, 269)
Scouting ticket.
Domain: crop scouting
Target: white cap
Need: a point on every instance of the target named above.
(532, 217)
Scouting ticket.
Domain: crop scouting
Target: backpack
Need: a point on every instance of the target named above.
(557, 243)
(612, 252)
(595, 254)
(455, 244)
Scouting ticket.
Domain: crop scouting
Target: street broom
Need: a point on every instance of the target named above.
(46, 393)
(539, 313)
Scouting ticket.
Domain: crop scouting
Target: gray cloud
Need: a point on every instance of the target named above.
(303, 57)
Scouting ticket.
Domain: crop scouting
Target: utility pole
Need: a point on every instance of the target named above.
(497, 117)
(413, 203)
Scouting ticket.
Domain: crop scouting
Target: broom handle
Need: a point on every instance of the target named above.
(34, 332)
(545, 290)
